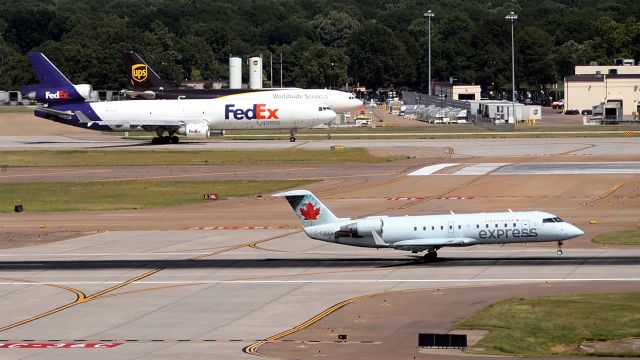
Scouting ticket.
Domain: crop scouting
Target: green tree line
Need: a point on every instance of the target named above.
(323, 43)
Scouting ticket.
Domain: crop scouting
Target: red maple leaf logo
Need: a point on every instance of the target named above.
(310, 212)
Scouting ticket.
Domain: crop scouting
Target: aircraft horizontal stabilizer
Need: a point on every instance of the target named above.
(63, 114)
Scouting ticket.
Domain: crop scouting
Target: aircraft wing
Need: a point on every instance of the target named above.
(168, 123)
(63, 114)
(421, 244)
(434, 242)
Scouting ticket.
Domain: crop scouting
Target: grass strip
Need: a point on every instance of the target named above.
(39, 158)
(556, 325)
(130, 194)
(625, 237)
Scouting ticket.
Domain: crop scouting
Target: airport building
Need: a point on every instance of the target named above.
(457, 91)
(610, 93)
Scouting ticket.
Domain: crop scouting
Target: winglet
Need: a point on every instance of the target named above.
(378, 240)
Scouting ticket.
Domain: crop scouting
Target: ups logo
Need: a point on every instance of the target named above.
(139, 72)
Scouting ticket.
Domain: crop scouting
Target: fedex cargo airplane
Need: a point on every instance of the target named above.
(195, 118)
(148, 85)
(428, 232)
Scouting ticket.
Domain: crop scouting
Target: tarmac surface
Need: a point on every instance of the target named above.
(204, 294)
(144, 285)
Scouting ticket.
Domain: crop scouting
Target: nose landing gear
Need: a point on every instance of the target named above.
(293, 132)
(559, 252)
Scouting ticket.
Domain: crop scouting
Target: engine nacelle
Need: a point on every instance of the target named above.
(362, 227)
(84, 90)
(50, 95)
(366, 226)
(194, 131)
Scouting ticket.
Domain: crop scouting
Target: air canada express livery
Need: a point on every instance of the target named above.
(193, 118)
(429, 232)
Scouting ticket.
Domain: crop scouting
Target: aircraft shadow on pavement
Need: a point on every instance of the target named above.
(315, 263)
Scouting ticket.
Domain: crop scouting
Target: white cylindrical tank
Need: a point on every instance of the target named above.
(255, 73)
(235, 73)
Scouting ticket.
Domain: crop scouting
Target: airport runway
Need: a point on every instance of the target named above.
(461, 147)
(208, 294)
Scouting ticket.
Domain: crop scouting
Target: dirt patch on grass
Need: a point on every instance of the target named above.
(18, 239)
(624, 347)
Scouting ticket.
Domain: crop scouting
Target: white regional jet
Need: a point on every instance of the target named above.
(429, 232)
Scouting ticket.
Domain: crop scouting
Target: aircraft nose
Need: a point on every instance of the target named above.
(574, 231)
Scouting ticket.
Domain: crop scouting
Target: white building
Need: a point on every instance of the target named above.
(615, 87)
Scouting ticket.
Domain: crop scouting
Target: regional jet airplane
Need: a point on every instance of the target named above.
(148, 85)
(196, 118)
(429, 232)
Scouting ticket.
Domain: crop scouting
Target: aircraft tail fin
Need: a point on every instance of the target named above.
(53, 86)
(47, 73)
(308, 208)
(141, 75)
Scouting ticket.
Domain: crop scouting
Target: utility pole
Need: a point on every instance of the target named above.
(513, 16)
(429, 14)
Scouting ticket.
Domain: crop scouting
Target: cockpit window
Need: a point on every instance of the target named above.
(323, 108)
(550, 220)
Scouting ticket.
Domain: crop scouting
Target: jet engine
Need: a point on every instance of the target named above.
(194, 131)
(42, 94)
(362, 227)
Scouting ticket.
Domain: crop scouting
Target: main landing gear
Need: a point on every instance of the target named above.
(293, 132)
(431, 255)
(559, 252)
(171, 139)
(165, 140)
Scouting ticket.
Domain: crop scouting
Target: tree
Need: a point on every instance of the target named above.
(534, 49)
(378, 59)
(334, 29)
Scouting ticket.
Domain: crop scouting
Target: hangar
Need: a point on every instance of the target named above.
(610, 91)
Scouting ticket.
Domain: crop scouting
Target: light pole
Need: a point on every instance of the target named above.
(513, 16)
(429, 14)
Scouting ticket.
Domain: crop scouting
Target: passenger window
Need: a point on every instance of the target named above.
(477, 226)
(433, 228)
(486, 226)
(424, 228)
(441, 227)
(415, 228)
(505, 224)
(514, 224)
(459, 227)
(450, 227)
(496, 225)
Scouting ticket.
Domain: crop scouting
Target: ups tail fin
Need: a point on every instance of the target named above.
(47, 73)
(308, 208)
(141, 75)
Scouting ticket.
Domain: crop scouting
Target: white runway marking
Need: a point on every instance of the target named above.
(428, 170)
(479, 169)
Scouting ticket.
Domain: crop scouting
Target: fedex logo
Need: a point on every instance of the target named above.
(257, 112)
(56, 95)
